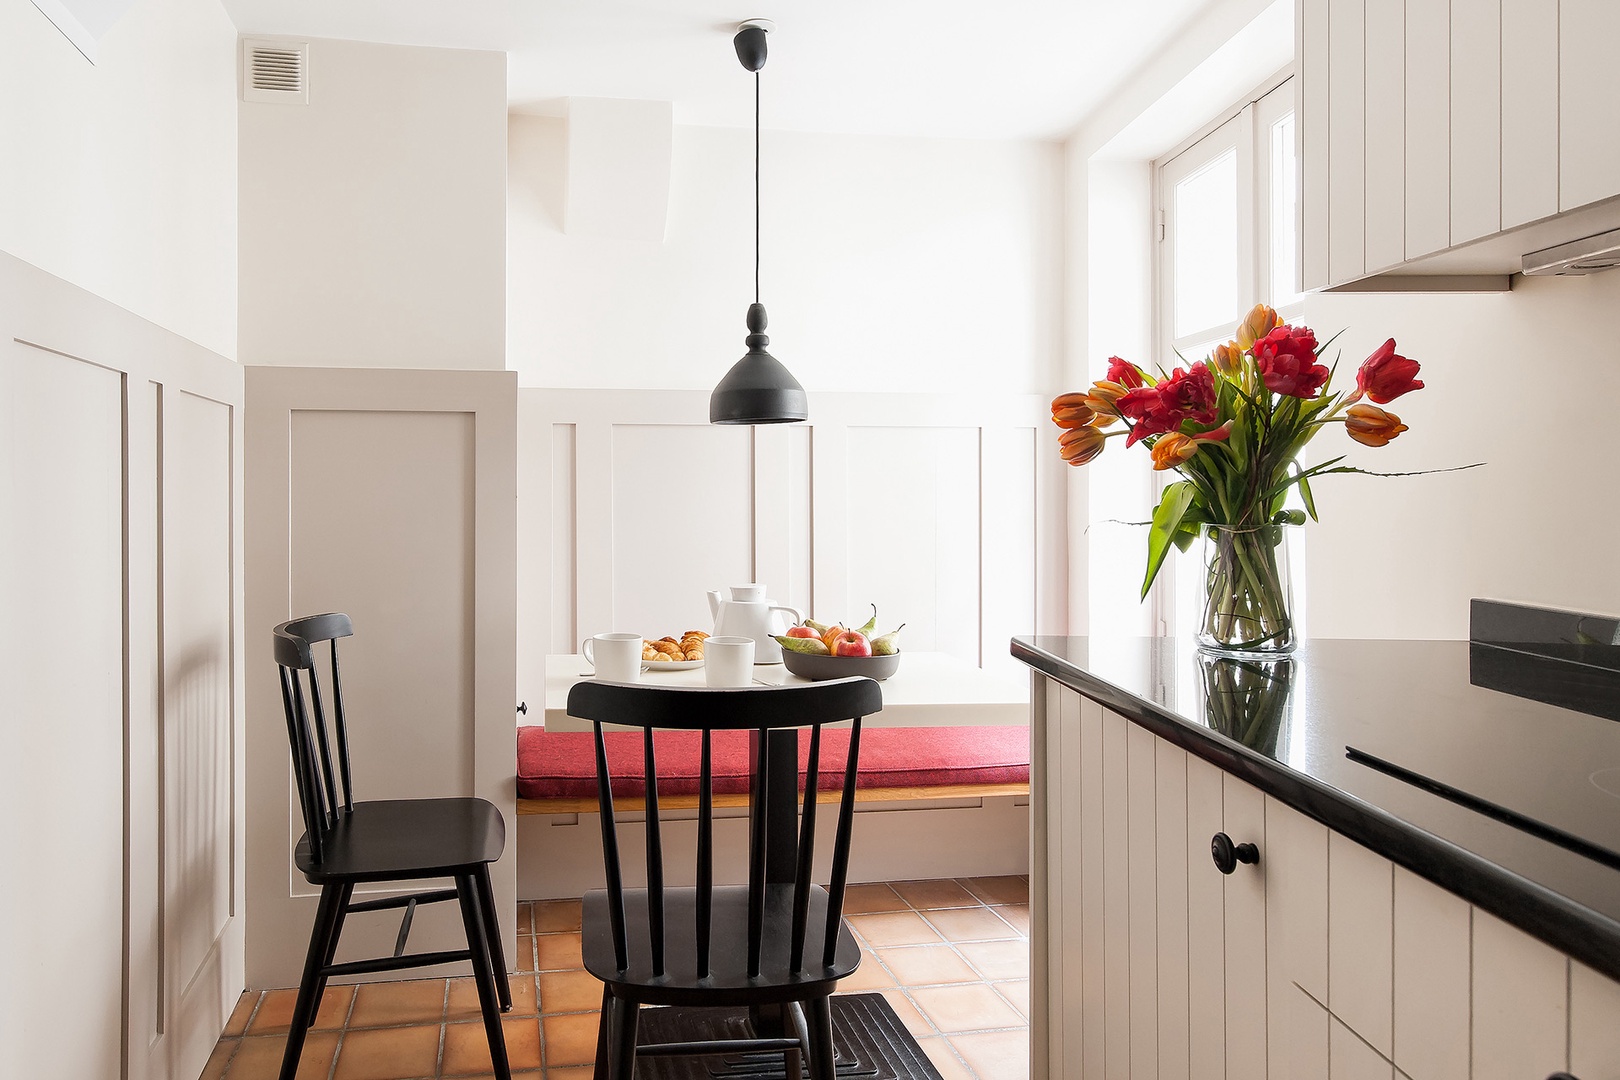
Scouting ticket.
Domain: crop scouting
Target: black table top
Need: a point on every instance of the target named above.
(1424, 751)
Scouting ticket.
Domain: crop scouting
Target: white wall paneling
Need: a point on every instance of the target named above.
(390, 495)
(936, 509)
(120, 478)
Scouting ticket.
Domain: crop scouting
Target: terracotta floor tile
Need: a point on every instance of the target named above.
(527, 1074)
(996, 1055)
(973, 1007)
(1000, 890)
(466, 1047)
(871, 975)
(1017, 993)
(462, 1003)
(1017, 915)
(570, 1040)
(971, 924)
(219, 1059)
(935, 894)
(865, 899)
(400, 1053)
(557, 952)
(927, 965)
(523, 959)
(525, 917)
(259, 1057)
(243, 1012)
(998, 960)
(913, 1020)
(388, 1004)
(569, 991)
(275, 1011)
(570, 1072)
(943, 1055)
(556, 916)
(896, 928)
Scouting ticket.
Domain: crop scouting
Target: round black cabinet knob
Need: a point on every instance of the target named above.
(1227, 854)
(1561, 1076)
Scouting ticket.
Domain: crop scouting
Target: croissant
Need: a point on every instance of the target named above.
(647, 650)
(669, 649)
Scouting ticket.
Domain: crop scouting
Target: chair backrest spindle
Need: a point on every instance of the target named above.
(311, 745)
(610, 851)
(705, 853)
(655, 855)
(756, 852)
(342, 733)
(846, 824)
(807, 850)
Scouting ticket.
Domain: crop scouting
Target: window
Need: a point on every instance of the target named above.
(1228, 228)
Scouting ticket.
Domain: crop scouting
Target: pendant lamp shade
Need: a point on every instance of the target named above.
(758, 389)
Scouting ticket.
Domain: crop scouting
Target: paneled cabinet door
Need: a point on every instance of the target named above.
(1588, 137)
(1594, 1025)
(1296, 874)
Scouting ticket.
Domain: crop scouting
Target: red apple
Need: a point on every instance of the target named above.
(802, 631)
(851, 643)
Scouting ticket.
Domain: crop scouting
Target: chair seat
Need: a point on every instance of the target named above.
(728, 982)
(398, 839)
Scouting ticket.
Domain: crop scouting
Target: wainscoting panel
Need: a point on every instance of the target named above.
(120, 573)
(389, 495)
(940, 510)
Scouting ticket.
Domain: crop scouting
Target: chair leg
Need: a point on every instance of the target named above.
(322, 941)
(601, 1070)
(492, 932)
(473, 921)
(622, 1039)
(818, 1017)
(346, 894)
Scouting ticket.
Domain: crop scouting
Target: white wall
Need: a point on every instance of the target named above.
(374, 218)
(889, 265)
(121, 176)
(1524, 381)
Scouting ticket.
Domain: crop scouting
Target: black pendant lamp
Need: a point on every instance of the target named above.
(758, 389)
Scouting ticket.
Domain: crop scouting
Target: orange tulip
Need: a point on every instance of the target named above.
(1227, 359)
(1171, 450)
(1372, 426)
(1104, 395)
(1260, 321)
(1080, 445)
(1071, 411)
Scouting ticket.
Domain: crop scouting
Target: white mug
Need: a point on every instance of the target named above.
(728, 661)
(621, 656)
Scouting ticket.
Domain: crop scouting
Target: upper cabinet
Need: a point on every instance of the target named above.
(1447, 140)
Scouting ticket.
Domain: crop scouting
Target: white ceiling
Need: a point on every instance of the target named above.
(992, 69)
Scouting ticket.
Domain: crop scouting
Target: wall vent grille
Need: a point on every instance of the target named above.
(275, 71)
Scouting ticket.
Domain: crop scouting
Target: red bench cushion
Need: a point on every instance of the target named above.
(562, 764)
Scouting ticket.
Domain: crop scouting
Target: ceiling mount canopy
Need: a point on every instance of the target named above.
(758, 389)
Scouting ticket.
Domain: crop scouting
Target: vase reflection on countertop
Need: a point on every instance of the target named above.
(1247, 700)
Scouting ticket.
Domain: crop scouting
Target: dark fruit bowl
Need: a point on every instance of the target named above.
(817, 668)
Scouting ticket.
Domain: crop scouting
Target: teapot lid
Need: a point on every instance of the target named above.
(748, 593)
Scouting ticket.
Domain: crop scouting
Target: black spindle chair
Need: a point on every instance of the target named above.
(347, 843)
(769, 944)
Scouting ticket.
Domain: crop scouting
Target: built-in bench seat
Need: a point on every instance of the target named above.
(556, 771)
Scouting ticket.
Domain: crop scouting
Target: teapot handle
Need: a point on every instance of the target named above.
(797, 618)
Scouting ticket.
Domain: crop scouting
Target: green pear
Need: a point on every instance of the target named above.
(889, 643)
(809, 646)
(871, 624)
(819, 628)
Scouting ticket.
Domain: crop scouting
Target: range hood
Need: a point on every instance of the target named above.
(1587, 256)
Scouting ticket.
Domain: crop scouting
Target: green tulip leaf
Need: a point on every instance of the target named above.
(1167, 518)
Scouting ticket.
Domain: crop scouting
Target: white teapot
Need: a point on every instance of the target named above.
(749, 614)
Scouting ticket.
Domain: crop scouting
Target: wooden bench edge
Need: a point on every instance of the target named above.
(689, 802)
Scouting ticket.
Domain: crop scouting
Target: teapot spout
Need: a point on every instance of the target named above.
(714, 603)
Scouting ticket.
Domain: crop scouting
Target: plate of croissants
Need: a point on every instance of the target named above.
(673, 654)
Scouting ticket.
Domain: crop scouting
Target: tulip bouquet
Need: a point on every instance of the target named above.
(1234, 426)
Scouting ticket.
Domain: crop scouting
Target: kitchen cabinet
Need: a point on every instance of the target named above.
(1430, 130)
(1318, 960)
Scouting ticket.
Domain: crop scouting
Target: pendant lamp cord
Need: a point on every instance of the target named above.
(756, 187)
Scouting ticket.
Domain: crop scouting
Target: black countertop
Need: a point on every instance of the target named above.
(1457, 774)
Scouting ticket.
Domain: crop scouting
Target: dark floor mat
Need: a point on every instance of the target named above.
(871, 1041)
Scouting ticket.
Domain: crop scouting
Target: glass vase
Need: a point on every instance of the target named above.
(1248, 596)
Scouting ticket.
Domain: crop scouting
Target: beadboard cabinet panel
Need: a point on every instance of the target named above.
(1588, 99)
(1170, 776)
(1521, 1003)
(1296, 869)
(1206, 926)
(1245, 822)
(1311, 106)
(1091, 1013)
(1428, 126)
(1432, 967)
(1529, 110)
(1141, 794)
(1347, 140)
(1301, 1028)
(1351, 1058)
(1360, 931)
(1386, 133)
(1594, 1024)
(1476, 120)
(1116, 955)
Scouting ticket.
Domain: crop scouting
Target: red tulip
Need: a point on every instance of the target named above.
(1286, 360)
(1182, 396)
(1384, 376)
(1125, 373)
